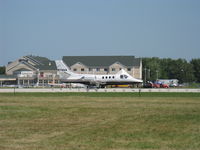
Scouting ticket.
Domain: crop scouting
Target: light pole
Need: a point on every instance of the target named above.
(183, 75)
(157, 74)
(145, 76)
(38, 72)
(149, 74)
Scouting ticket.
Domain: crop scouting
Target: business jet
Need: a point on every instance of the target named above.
(67, 76)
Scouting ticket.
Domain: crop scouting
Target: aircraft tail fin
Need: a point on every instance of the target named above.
(62, 67)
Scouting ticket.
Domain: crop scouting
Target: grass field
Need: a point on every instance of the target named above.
(100, 121)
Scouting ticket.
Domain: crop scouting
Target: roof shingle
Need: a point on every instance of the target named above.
(43, 63)
(103, 61)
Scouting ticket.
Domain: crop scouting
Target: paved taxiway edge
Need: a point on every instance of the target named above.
(21, 90)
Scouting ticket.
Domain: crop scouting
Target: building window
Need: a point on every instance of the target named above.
(74, 69)
(113, 69)
(129, 69)
(50, 81)
(90, 69)
(82, 69)
(41, 74)
(120, 68)
(25, 81)
(21, 82)
(105, 69)
(97, 69)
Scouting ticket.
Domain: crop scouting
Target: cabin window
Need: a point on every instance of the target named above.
(82, 69)
(120, 68)
(113, 77)
(109, 77)
(129, 69)
(103, 77)
(106, 77)
(113, 69)
(41, 74)
(121, 76)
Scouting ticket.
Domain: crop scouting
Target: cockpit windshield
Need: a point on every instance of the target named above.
(123, 76)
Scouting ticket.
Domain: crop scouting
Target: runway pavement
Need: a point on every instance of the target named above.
(12, 90)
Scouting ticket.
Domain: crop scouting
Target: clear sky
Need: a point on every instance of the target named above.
(56, 28)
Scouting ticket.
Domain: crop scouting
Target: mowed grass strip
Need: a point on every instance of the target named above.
(80, 122)
(104, 94)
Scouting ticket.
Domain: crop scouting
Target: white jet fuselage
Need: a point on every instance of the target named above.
(122, 77)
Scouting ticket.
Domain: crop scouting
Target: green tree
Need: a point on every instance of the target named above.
(196, 66)
(165, 66)
(151, 68)
(2, 69)
(168, 69)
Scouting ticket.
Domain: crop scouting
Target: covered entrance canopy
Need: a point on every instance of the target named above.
(7, 80)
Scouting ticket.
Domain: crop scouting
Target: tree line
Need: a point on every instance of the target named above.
(167, 68)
